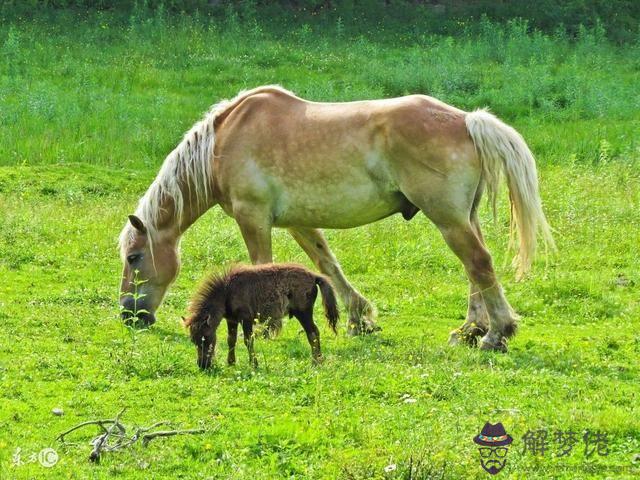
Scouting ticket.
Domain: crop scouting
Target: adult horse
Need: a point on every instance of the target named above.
(271, 159)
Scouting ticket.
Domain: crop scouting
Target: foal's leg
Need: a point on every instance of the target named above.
(361, 312)
(232, 337)
(313, 334)
(477, 320)
(247, 330)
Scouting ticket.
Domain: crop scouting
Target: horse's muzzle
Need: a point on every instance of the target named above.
(142, 319)
(136, 315)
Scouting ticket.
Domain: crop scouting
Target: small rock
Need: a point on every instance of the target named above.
(623, 281)
(57, 411)
(410, 400)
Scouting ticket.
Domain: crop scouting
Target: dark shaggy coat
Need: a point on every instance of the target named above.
(262, 293)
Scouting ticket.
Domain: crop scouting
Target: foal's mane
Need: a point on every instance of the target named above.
(205, 291)
(188, 170)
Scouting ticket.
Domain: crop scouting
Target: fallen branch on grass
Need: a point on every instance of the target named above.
(114, 435)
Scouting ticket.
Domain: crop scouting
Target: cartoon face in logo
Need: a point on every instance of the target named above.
(493, 443)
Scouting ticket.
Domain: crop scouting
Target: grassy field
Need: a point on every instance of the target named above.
(89, 107)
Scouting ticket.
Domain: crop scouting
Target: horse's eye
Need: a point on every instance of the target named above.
(133, 258)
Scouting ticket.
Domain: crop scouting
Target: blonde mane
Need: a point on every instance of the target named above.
(190, 166)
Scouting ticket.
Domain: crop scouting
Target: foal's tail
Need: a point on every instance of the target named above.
(500, 147)
(328, 302)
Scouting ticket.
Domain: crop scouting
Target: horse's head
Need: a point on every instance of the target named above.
(151, 263)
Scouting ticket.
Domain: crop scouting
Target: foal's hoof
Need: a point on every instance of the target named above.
(489, 345)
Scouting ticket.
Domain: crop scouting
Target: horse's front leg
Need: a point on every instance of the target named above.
(256, 232)
(361, 312)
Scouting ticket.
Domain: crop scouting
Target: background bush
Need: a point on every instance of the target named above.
(619, 18)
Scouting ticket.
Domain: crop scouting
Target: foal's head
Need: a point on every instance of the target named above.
(151, 263)
(205, 313)
(202, 332)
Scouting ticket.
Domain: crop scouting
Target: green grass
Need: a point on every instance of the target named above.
(88, 111)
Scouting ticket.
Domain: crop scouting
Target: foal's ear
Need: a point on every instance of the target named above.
(137, 224)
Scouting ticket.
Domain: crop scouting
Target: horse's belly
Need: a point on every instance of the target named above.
(334, 207)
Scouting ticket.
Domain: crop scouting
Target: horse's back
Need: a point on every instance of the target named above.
(334, 165)
(281, 111)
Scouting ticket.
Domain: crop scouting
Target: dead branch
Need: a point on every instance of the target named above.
(147, 437)
(114, 435)
(101, 440)
(100, 423)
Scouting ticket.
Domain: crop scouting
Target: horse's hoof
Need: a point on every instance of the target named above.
(353, 330)
(488, 345)
(460, 336)
(454, 338)
(365, 327)
(371, 327)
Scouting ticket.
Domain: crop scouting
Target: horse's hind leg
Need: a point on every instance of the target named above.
(450, 206)
(464, 242)
(361, 312)
(477, 320)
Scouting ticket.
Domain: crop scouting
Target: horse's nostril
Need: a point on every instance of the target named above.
(141, 318)
(148, 318)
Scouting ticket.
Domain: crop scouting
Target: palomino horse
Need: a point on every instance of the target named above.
(271, 159)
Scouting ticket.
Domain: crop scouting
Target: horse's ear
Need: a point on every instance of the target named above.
(137, 224)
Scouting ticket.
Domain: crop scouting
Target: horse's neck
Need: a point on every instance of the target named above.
(192, 210)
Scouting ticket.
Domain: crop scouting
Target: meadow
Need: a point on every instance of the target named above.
(90, 104)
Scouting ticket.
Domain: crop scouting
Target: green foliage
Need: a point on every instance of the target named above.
(153, 76)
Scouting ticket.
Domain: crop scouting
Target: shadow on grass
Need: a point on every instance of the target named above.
(559, 361)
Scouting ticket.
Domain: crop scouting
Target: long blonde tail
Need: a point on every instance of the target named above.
(502, 148)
